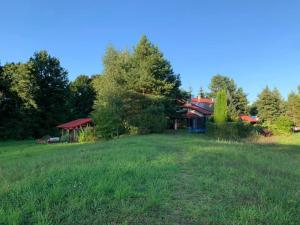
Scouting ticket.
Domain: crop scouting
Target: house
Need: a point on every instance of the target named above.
(73, 127)
(195, 113)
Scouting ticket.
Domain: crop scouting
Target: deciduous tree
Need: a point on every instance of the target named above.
(82, 96)
(237, 102)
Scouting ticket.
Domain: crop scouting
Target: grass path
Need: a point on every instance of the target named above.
(153, 179)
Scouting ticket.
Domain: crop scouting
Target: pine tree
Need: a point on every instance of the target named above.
(201, 93)
(144, 85)
(293, 107)
(153, 73)
(270, 105)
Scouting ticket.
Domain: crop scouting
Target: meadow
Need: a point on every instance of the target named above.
(151, 179)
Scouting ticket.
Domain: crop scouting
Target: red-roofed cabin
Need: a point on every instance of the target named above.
(73, 126)
(249, 119)
(208, 101)
(196, 115)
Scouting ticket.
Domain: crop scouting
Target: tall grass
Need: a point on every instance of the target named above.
(153, 179)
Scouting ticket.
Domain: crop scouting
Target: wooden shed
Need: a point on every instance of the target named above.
(73, 127)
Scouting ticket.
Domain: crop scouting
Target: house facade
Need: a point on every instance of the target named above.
(195, 113)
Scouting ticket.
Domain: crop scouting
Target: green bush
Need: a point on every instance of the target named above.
(108, 121)
(231, 130)
(86, 135)
(282, 125)
(65, 138)
(151, 120)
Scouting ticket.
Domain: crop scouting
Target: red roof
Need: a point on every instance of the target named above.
(197, 108)
(75, 123)
(203, 100)
(248, 119)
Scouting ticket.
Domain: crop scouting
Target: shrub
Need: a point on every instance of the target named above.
(220, 108)
(65, 138)
(107, 120)
(282, 125)
(151, 120)
(231, 130)
(86, 135)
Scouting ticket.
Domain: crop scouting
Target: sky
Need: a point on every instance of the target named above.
(257, 42)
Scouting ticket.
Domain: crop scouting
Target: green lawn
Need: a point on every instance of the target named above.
(153, 179)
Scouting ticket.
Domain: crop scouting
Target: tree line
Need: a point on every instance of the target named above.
(136, 93)
(36, 96)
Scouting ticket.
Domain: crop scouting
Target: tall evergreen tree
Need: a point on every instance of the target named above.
(220, 109)
(142, 83)
(202, 93)
(293, 107)
(153, 73)
(240, 102)
(270, 105)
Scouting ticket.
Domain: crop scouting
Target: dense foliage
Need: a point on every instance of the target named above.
(270, 105)
(282, 125)
(137, 91)
(36, 96)
(236, 98)
(232, 130)
(220, 109)
(82, 95)
(86, 134)
(293, 107)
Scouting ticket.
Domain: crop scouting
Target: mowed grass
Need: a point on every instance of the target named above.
(153, 179)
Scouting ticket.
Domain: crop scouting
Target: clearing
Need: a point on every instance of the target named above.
(151, 179)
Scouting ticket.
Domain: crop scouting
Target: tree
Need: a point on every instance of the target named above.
(108, 118)
(281, 125)
(269, 105)
(51, 94)
(293, 107)
(237, 102)
(17, 104)
(253, 110)
(82, 96)
(201, 93)
(142, 83)
(218, 83)
(220, 109)
(153, 74)
(240, 102)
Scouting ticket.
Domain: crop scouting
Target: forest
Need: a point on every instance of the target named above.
(136, 93)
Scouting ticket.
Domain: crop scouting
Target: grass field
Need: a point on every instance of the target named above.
(153, 179)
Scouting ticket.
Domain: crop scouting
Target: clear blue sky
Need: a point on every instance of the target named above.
(256, 42)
